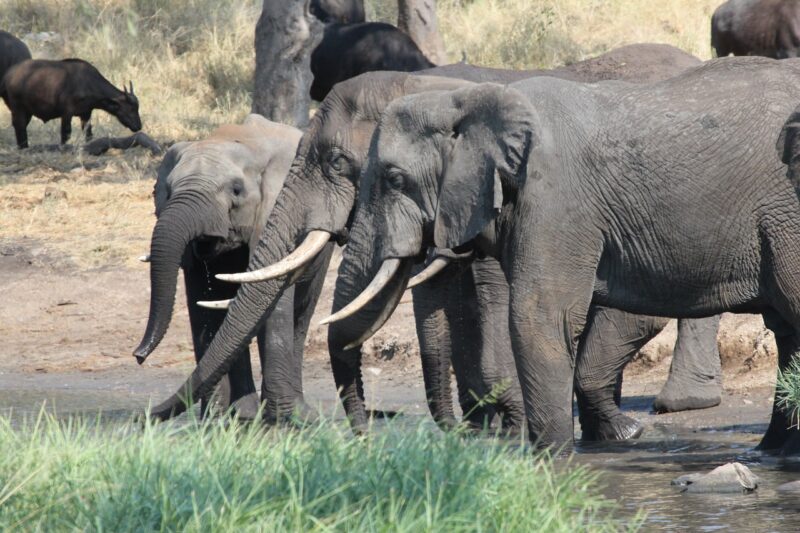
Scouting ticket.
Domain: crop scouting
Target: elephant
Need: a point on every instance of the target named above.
(768, 28)
(212, 199)
(319, 195)
(12, 51)
(347, 50)
(344, 11)
(666, 199)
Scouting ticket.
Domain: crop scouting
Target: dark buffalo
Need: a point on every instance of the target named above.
(768, 28)
(344, 11)
(12, 51)
(64, 89)
(347, 50)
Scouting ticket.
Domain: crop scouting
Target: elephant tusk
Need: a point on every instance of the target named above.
(307, 251)
(373, 329)
(381, 279)
(215, 304)
(144, 258)
(436, 266)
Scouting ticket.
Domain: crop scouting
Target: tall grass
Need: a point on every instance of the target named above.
(787, 390)
(226, 477)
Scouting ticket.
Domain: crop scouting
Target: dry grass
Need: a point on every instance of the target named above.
(191, 62)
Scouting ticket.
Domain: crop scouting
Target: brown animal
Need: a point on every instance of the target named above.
(12, 51)
(64, 89)
(769, 28)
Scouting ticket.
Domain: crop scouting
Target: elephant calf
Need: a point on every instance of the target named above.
(212, 201)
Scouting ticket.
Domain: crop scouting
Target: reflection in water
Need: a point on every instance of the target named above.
(636, 474)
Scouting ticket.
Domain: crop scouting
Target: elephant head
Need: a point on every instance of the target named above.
(314, 206)
(441, 167)
(211, 196)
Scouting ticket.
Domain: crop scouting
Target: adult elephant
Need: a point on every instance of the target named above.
(768, 28)
(343, 11)
(12, 51)
(212, 199)
(634, 198)
(319, 195)
(347, 50)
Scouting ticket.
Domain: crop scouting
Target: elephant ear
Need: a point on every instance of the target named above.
(171, 159)
(789, 146)
(494, 131)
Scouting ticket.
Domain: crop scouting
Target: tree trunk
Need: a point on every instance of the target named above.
(286, 34)
(418, 19)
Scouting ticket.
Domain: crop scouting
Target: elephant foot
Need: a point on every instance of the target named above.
(297, 415)
(680, 395)
(779, 440)
(246, 407)
(619, 427)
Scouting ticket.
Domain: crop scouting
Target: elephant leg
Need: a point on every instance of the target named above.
(611, 339)
(236, 390)
(695, 375)
(436, 349)
(280, 372)
(782, 436)
(497, 357)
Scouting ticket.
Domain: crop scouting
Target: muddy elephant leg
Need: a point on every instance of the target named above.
(286, 332)
(695, 375)
(435, 337)
(496, 357)
(782, 436)
(86, 125)
(236, 390)
(611, 339)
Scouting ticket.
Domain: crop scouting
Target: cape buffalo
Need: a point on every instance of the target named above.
(12, 51)
(64, 89)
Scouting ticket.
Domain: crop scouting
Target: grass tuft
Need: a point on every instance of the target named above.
(215, 476)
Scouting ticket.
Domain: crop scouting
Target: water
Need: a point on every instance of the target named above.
(636, 474)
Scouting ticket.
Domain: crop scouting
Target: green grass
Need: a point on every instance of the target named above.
(63, 475)
(788, 390)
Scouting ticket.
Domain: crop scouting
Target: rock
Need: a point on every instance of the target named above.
(792, 486)
(728, 478)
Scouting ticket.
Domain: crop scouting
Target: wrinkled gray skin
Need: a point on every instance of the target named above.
(212, 199)
(665, 199)
(340, 133)
(769, 28)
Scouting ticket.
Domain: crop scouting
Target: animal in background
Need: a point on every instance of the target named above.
(768, 28)
(347, 50)
(12, 51)
(64, 89)
(344, 11)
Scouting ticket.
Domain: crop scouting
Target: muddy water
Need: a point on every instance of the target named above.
(636, 474)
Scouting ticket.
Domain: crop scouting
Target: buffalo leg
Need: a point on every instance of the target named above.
(20, 120)
(66, 128)
(86, 125)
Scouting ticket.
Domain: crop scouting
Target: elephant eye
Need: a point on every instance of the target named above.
(237, 188)
(337, 162)
(396, 179)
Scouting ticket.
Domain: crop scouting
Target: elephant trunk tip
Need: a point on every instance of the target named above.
(141, 353)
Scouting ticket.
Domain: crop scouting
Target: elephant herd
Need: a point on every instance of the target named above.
(545, 221)
(555, 222)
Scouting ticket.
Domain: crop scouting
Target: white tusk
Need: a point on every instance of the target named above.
(215, 304)
(436, 266)
(373, 329)
(144, 258)
(381, 279)
(307, 251)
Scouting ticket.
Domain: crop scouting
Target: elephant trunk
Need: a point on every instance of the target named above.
(177, 226)
(253, 303)
(359, 266)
